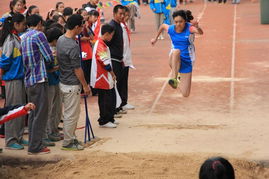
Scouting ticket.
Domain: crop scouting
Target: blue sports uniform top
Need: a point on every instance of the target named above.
(184, 42)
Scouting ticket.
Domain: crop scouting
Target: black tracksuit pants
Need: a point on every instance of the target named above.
(121, 73)
(106, 103)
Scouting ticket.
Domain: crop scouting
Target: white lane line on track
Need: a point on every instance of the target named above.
(233, 60)
(199, 17)
(160, 94)
(201, 14)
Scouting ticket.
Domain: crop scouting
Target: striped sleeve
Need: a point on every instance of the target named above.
(44, 47)
(12, 114)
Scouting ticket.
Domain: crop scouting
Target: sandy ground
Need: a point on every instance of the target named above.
(168, 136)
(131, 165)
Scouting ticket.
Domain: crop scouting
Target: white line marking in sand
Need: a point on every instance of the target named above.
(160, 94)
(233, 60)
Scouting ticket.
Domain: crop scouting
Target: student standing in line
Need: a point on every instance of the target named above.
(60, 8)
(127, 60)
(87, 41)
(96, 27)
(103, 78)
(11, 69)
(182, 54)
(85, 45)
(15, 6)
(71, 79)
(54, 94)
(159, 9)
(59, 19)
(36, 54)
(32, 10)
(68, 11)
(116, 49)
(132, 10)
(24, 7)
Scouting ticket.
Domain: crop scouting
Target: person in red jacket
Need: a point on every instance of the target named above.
(103, 78)
(87, 41)
(12, 112)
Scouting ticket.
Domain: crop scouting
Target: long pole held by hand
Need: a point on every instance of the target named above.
(88, 125)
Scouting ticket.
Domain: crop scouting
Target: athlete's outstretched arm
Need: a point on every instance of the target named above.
(161, 29)
(196, 29)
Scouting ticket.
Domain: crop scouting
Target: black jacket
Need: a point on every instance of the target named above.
(116, 43)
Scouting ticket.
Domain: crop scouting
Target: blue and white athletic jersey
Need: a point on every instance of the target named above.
(183, 41)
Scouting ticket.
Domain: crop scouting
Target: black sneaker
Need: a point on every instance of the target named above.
(75, 146)
(48, 143)
(54, 138)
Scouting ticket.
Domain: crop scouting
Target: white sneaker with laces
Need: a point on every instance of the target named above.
(108, 125)
(117, 116)
(122, 111)
(116, 122)
(128, 107)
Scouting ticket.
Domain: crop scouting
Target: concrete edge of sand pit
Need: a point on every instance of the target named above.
(32, 160)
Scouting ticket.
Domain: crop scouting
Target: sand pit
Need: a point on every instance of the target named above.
(132, 165)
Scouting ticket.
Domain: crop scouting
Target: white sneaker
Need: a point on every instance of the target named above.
(117, 116)
(122, 111)
(116, 122)
(108, 125)
(128, 107)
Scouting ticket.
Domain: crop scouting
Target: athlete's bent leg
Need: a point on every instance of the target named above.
(175, 62)
(185, 84)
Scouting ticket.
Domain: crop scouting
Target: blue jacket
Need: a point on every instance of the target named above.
(157, 6)
(160, 7)
(126, 2)
(54, 77)
(173, 3)
(11, 59)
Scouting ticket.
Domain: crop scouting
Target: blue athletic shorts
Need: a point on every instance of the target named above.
(185, 66)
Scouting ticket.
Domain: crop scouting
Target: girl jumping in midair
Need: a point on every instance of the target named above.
(182, 54)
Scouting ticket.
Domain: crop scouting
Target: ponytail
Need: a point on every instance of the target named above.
(185, 14)
(8, 26)
(188, 15)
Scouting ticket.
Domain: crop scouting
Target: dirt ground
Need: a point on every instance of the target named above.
(168, 136)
